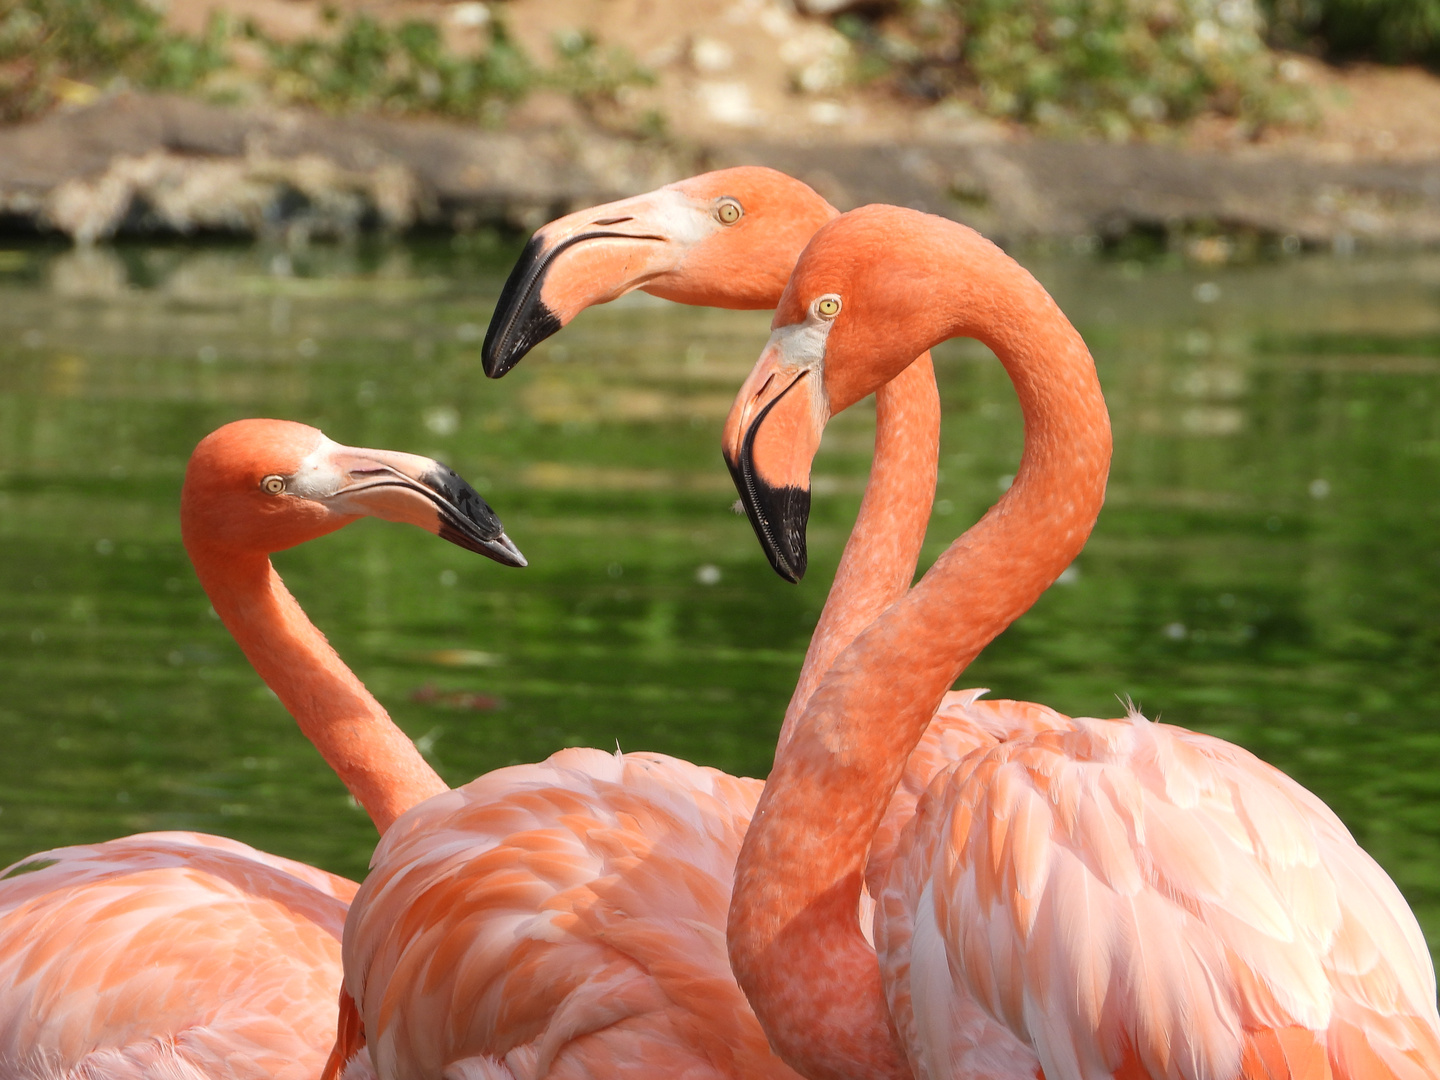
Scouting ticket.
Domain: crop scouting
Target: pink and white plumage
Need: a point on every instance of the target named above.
(567, 919)
(564, 919)
(180, 956)
(238, 951)
(1133, 895)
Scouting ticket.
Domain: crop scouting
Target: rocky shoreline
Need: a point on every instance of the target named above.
(156, 165)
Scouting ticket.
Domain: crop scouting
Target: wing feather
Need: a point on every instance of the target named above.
(566, 918)
(168, 955)
(1122, 895)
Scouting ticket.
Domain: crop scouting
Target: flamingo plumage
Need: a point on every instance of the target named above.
(181, 956)
(1077, 898)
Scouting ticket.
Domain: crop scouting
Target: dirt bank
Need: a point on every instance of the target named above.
(135, 164)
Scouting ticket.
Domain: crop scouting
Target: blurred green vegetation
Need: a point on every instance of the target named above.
(366, 65)
(594, 76)
(49, 47)
(1127, 68)
(59, 50)
(1119, 68)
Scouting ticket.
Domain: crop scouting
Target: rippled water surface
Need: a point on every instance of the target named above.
(1266, 569)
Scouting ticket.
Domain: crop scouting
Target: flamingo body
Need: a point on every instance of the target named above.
(567, 919)
(564, 919)
(237, 950)
(1114, 894)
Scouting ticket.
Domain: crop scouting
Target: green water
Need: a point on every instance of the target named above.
(1266, 568)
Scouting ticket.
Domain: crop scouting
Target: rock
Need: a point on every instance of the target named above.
(141, 164)
(1031, 190)
(137, 164)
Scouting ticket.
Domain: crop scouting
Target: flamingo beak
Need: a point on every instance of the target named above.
(575, 262)
(409, 489)
(770, 440)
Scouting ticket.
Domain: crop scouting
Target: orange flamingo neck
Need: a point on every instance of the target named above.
(795, 945)
(878, 564)
(375, 760)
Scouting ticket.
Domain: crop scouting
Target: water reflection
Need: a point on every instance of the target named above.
(1265, 568)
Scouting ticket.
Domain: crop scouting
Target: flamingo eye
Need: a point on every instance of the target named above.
(827, 307)
(272, 485)
(728, 211)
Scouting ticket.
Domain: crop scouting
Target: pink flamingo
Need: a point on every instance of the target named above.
(629, 858)
(184, 956)
(1093, 898)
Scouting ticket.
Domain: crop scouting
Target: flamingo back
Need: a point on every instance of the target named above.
(963, 723)
(1132, 899)
(564, 920)
(167, 955)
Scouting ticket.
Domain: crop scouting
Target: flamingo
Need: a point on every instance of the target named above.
(181, 956)
(627, 859)
(1091, 898)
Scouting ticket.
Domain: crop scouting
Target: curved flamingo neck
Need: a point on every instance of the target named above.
(878, 564)
(795, 946)
(375, 760)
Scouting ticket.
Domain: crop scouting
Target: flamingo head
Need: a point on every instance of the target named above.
(722, 239)
(267, 485)
(860, 306)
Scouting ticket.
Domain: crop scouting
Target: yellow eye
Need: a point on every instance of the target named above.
(728, 212)
(828, 306)
(272, 485)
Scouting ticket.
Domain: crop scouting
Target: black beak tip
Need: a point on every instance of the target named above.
(791, 574)
(778, 515)
(463, 499)
(793, 534)
(467, 520)
(499, 548)
(502, 351)
(521, 319)
(495, 367)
